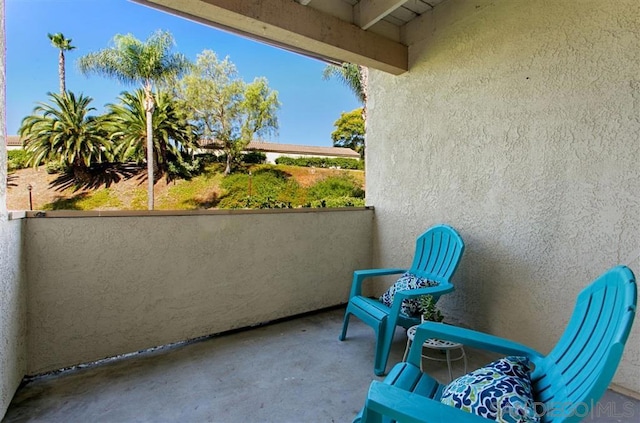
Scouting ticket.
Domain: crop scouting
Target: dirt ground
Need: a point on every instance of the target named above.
(18, 192)
(42, 193)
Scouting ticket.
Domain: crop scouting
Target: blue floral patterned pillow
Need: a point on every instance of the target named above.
(406, 281)
(500, 391)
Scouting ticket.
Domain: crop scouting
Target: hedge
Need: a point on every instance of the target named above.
(324, 162)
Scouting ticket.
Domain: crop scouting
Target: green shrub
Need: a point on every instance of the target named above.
(254, 157)
(270, 188)
(55, 167)
(343, 163)
(17, 159)
(273, 188)
(323, 162)
(337, 202)
(186, 169)
(208, 158)
(335, 187)
(289, 161)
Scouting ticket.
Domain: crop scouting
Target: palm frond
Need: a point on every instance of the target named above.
(350, 75)
(63, 131)
(131, 61)
(173, 135)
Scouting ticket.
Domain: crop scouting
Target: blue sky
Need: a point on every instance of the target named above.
(310, 104)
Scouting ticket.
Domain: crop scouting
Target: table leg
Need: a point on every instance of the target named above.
(406, 350)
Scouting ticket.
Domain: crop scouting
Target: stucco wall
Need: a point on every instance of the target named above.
(13, 353)
(105, 286)
(518, 123)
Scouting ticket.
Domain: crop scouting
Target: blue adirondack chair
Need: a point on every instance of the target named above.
(566, 382)
(437, 255)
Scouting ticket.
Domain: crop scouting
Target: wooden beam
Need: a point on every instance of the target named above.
(368, 12)
(289, 25)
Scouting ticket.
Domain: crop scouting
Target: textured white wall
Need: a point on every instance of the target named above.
(13, 342)
(518, 123)
(13, 353)
(105, 286)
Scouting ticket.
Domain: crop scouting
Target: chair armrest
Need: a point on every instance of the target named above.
(400, 296)
(360, 275)
(436, 291)
(469, 338)
(407, 407)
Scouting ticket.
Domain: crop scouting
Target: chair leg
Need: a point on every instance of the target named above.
(369, 416)
(382, 350)
(384, 339)
(345, 325)
(380, 366)
(358, 418)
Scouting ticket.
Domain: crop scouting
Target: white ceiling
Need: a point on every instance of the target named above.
(372, 33)
(384, 17)
(401, 14)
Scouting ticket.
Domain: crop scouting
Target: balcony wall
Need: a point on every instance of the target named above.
(517, 124)
(13, 284)
(13, 311)
(100, 287)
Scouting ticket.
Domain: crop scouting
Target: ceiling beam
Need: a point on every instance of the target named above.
(368, 12)
(287, 24)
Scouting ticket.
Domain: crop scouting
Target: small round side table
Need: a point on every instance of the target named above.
(440, 345)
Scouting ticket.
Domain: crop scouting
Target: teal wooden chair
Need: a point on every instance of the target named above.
(436, 258)
(565, 383)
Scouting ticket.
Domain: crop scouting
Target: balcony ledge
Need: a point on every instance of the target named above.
(22, 214)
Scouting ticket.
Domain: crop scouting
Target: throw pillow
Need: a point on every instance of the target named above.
(500, 391)
(406, 281)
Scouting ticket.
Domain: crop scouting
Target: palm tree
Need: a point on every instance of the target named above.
(352, 75)
(173, 136)
(63, 44)
(355, 77)
(148, 63)
(65, 132)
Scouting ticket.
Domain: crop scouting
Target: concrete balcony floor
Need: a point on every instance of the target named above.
(291, 371)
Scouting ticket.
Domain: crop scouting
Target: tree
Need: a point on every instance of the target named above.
(63, 44)
(227, 109)
(349, 131)
(148, 63)
(355, 77)
(173, 136)
(352, 75)
(63, 131)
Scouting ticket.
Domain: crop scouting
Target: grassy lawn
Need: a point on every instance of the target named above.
(98, 200)
(201, 192)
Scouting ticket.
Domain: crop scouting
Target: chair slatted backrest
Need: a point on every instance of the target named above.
(438, 253)
(583, 363)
